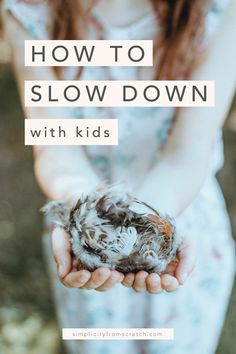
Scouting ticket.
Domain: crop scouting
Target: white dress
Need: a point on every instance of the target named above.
(197, 310)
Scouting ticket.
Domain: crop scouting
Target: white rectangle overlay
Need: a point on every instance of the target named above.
(71, 131)
(88, 53)
(140, 93)
(118, 334)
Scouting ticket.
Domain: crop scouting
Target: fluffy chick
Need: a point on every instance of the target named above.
(110, 228)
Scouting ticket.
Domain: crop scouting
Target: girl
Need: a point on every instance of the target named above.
(168, 158)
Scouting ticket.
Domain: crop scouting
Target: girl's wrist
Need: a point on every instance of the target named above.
(70, 187)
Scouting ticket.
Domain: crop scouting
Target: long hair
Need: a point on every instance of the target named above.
(176, 48)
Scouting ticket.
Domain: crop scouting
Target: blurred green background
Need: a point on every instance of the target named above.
(27, 316)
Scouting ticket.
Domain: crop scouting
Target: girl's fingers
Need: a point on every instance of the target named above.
(98, 277)
(169, 283)
(187, 261)
(61, 248)
(153, 283)
(171, 268)
(103, 279)
(115, 277)
(140, 281)
(76, 279)
(129, 280)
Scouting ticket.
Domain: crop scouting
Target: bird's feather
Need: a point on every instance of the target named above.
(110, 228)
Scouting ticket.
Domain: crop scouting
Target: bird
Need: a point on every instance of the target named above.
(111, 228)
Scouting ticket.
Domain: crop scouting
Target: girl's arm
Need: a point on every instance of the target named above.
(177, 177)
(62, 172)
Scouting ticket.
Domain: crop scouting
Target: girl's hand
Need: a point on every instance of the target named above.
(102, 279)
(175, 274)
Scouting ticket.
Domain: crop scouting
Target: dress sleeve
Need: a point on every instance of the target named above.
(214, 15)
(34, 16)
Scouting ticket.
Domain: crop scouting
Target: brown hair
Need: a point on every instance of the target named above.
(182, 23)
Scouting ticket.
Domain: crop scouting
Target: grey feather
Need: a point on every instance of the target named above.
(112, 229)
